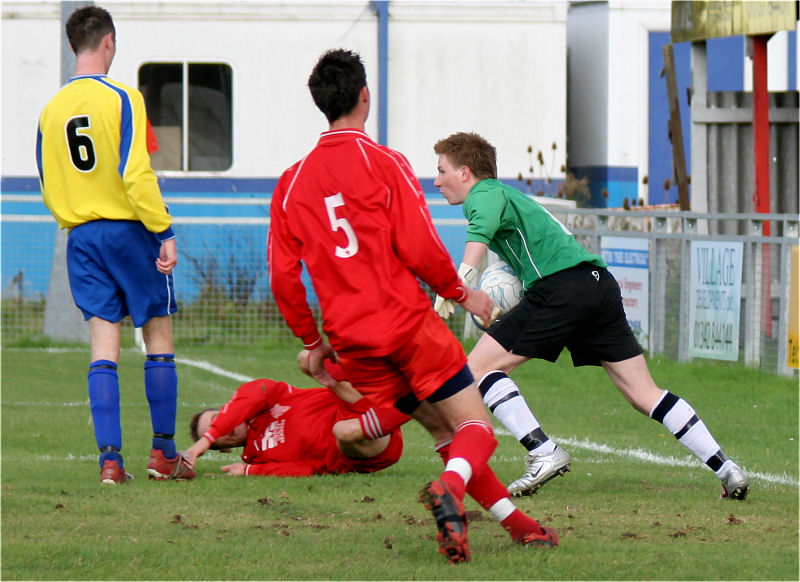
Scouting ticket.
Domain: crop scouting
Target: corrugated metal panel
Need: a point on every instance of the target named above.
(728, 122)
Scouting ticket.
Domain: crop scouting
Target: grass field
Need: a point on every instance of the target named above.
(636, 505)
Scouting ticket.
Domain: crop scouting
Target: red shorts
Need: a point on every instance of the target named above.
(421, 365)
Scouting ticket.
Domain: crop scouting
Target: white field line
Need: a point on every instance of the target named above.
(585, 444)
(209, 367)
(638, 454)
(645, 456)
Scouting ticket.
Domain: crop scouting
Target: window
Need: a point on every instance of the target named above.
(201, 141)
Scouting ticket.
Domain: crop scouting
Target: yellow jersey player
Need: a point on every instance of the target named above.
(96, 180)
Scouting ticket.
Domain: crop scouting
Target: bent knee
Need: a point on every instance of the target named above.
(348, 431)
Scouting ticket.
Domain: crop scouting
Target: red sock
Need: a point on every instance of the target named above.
(473, 443)
(443, 448)
(518, 524)
(487, 490)
(377, 422)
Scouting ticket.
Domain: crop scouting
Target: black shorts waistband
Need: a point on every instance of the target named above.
(582, 266)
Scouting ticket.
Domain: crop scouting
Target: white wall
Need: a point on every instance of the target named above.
(31, 46)
(588, 30)
(777, 64)
(498, 68)
(609, 101)
(271, 49)
(629, 26)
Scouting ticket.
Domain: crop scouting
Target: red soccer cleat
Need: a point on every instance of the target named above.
(450, 519)
(548, 539)
(162, 469)
(112, 474)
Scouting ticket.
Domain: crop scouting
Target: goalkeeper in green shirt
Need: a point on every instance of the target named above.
(570, 301)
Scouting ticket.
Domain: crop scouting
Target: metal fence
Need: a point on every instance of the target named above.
(766, 272)
(223, 288)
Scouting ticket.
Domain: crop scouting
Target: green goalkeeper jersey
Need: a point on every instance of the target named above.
(523, 233)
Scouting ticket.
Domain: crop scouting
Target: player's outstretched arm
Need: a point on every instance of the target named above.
(192, 453)
(234, 470)
(474, 252)
(345, 391)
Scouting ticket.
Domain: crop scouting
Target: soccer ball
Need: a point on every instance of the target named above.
(501, 284)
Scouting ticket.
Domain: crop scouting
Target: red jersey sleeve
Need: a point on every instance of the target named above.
(250, 399)
(413, 235)
(285, 268)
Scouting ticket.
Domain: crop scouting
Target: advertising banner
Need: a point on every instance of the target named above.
(715, 299)
(628, 260)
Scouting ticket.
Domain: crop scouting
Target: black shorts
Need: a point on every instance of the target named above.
(579, 309)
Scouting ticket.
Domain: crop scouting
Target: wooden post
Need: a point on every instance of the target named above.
(675, 129)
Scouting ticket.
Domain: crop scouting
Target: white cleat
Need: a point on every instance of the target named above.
(540, 469)
(735, 484)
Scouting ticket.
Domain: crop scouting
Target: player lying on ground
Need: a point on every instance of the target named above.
(295, 432)
(571, 300)
(337, 439)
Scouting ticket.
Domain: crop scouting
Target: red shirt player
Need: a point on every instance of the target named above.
(291, 432)
(354, 213)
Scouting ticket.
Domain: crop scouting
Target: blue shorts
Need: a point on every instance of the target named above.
(112, 272)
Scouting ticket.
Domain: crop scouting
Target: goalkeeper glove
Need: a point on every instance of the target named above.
(446, 307)
(496, 312)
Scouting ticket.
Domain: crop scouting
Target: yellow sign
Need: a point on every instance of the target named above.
(793, 358)
(713, 19)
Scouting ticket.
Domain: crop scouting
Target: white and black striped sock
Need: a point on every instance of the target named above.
(682, 421)
(501, 395)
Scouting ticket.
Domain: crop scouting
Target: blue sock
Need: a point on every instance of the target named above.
(161, 389)
(109, 453)
(104, 402)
